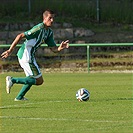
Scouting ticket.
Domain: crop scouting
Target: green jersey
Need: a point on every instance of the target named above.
(34, 38)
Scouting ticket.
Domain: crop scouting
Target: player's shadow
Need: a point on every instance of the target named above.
(104, 99)
(124, 99)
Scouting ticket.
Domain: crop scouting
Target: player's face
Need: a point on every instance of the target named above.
(48, 20)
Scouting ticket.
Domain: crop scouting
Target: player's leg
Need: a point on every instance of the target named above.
(22, 92)
(26, 80)
(11, 80)
(26, 87)
(39, 80)
(35, 79)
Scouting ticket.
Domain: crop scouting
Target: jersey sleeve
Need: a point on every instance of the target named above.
(50, 40)
(32, 33)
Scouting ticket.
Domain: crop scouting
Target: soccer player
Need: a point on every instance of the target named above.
(34, 38)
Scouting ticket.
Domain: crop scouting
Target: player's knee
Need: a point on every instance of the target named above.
(39, 81)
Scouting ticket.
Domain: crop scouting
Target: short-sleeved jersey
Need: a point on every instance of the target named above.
(34, 38)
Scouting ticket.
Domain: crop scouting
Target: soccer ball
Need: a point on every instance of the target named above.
(82, 94)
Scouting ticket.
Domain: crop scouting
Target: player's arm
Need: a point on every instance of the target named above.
(51, 43)
(13, 45)
(63, 45)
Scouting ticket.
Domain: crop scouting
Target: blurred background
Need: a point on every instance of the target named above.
(80, 21)
(118, 11)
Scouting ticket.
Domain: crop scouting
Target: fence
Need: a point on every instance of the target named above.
(101, 45)
(88, 46)
(117, 11)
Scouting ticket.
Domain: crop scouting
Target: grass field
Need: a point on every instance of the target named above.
(53, 108)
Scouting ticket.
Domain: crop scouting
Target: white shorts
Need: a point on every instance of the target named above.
(30, 69)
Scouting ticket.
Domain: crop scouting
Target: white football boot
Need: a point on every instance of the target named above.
(9, 84)
(23, 99)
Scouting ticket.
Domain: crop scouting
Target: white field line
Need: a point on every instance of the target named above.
(60, 119)
(50, 119)
(24, 103)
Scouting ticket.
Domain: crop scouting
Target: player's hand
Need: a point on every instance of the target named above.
(6, 54)
(64, 44)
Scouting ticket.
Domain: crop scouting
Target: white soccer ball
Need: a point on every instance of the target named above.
(82, 94)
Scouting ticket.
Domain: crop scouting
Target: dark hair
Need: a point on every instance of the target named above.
(48, 11)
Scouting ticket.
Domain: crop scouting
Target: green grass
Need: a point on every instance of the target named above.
(53, 108)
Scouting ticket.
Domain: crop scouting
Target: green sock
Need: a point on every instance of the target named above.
(26, 80)
(23, 91)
